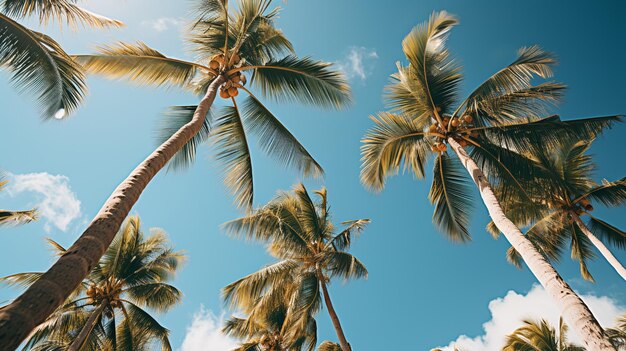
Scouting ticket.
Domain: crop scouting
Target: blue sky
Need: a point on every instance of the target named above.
(423, 291)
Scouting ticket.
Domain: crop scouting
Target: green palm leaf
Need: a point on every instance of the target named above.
(345, 265)
(38, 64)
(605, 231)
(449, 193)
(609, 193)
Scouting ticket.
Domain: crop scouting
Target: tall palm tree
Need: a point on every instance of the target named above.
(498, 119)
(250, 45)
(36, 61)
(267, 328)
(302, 237)
(563, 196)
(540, 336)
(107, 310)
(8, 217)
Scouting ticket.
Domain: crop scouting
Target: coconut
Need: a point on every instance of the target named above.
(224, 94)
(442, 147)
(219, 58)
(434, 148)
(468, 118)
(236, 78)
(432, 128)
(243, 79)
(589, 207)
(455, 122)
(235, 58)
(214, 64)
(232, 91)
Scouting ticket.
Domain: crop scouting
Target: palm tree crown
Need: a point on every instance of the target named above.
(36, 61)
(8, 217)
(108, 308)
(240, 45)
(540, 336)
(302, 237)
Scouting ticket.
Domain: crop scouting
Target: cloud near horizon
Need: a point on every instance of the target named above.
(54, 199)
(508, 312)
(204, 333)
(358, 62)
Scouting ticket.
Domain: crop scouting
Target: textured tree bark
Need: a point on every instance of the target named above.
(32, 308)
(573, 309)
(79, 341)
(606, 253)
(345, 345)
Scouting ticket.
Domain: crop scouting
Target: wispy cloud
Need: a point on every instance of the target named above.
(55, 200)
(164, 23)
(358, 62)
(204, 333)
(507, 314)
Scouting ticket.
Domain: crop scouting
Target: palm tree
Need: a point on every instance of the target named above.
(267, 328)
(329, 346)
(302, 237)
(495, 122)
(564, 196)
(107, 310)
(36, 61)
(540, 336)
(250, 45)
(617, 335)
(8, 217)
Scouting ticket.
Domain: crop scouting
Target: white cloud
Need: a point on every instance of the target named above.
(55, 201)
(164, 23)
(508, 312)
(358, 62)
(204, 333)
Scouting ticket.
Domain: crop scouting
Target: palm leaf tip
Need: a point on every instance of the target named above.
(60, 10)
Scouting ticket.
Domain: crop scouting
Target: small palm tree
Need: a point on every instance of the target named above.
(617, 335)
(231, 45)
(563, 196)
(301, 235)
(107, 311)
(267, 328)
(535, 336)
(8, 217)
(36, 61)
(498, 120)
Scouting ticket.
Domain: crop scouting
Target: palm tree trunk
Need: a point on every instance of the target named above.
(345, 345)
(32, 308)
(79, 341)
(573, 309)
(606, 253)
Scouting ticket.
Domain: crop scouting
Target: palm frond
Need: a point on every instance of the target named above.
(60, 10)
(39, 64)
(608, 193)
(582, 251)
(345, 265)
(233, 151)
(301, 79)
(329, 346)
(394, 141)
(174, 119)
(450, 193)
(343, 240)
(10, 218)
(276, 140)
(140, 64)
(143, 324)
(157, 296)
(607, 232)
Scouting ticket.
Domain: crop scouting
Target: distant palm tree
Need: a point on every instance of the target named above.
(36, 61)
(617, 335)
(106, 312)
(301, 235)
(266, 326)
(563, 196)
(230, 45)
(8, 217)
(496, 121)
(540, 336)
(329, 346)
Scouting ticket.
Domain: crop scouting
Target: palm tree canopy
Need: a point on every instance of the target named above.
(301, 235)
(132, 275)
(567, 178)
(37, 62)
(244, 45)
(8, 217)
(499, 120)
(540, 335)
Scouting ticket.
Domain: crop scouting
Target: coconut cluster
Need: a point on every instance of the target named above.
(271, 342)
(236, 80)
(451, 124)
(108, 290)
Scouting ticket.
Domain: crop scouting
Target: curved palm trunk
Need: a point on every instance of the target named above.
(31, 308)
(79, 341)
(345, 345)
(573, 309)
(606, 253)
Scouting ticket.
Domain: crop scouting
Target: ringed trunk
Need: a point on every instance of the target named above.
(345, 345)
(79, 341)
(606, 253)
(32, 308)
(573, 309)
